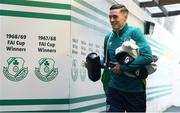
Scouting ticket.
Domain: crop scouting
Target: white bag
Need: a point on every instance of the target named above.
(132, 49)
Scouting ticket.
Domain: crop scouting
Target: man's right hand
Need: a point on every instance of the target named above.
(116, 68)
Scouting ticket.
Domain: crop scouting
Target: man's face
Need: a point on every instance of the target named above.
(117, 18)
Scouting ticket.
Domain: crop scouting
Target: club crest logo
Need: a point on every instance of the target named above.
(83, 74)
(82, 71)
(15, 71)
(74, 70)
(46, 71)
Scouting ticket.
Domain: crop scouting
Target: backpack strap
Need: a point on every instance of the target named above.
(106, 55)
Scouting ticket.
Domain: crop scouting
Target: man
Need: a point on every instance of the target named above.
(125, 93)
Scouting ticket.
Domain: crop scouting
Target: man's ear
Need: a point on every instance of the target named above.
(126, 15)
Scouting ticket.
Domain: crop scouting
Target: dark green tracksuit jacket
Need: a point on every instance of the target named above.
(120, 81)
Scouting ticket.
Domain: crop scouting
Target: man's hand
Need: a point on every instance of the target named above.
(116, 69)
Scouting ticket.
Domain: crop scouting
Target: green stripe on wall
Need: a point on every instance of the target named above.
(82, 2)
(158, 96)
(10, 102)
(55, 6)
(33, 102)
(88, 15)
(51, 16)
(163, 46)
(160, 86)
(87, 98)
(36, 4)
(90, 107)
(156, 46)
(34, 15)
(42, 111)
(81, 109)
(86, 24)
(159, 52)
(158, 91)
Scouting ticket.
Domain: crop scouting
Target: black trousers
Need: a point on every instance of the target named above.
(119, 101)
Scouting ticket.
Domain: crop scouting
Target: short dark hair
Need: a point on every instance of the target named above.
(119, 6)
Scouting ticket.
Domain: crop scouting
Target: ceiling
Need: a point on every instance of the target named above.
(161, 8)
